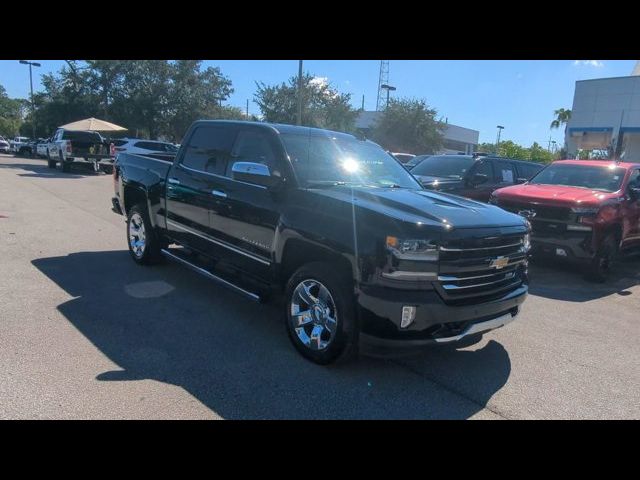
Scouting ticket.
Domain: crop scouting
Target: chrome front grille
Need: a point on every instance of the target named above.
(473, 269)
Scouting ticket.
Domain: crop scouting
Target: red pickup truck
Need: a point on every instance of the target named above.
(583, 210)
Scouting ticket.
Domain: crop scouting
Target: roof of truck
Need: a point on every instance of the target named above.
(285, 128)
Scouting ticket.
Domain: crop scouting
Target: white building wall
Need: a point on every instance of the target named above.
(602, 109)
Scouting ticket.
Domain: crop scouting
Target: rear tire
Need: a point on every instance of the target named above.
(144, 244)
(66, 166)
(327, 331)
(601, 265)
(50, 162)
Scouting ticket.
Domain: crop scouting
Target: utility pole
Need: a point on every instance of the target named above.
(362, 108)
(247, 109)
(33, 105)
(499, 127)
(299, 92)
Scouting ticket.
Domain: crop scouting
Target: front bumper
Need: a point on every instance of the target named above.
(576, 246)
(380, 312)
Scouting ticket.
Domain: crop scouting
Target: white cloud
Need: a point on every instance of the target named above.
(588, 63)
(319, 81)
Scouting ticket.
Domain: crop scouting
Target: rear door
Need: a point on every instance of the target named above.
(526, 171)
(194, 184)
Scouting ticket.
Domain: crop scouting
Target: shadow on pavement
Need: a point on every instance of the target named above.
(168, 324)
(564, 281)
(43, 171)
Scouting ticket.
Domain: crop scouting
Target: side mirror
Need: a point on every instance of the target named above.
(255, 173)
(479, 178)
(634, 192)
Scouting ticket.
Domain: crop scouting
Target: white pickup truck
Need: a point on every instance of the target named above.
(70, 146)
(20, 145)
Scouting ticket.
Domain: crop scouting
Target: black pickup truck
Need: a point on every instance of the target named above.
(365, 257)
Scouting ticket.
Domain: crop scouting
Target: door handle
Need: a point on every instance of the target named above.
(174, 181)
(218, 193)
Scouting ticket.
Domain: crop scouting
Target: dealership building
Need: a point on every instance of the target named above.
(456, 139)
(606, 114)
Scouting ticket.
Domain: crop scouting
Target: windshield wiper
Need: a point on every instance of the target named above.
(327, 183)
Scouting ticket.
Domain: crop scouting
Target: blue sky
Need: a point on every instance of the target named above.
(478, 94)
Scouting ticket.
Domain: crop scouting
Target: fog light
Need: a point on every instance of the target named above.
(561, 252)
(408, 316)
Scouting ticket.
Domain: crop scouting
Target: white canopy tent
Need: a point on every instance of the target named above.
(93, 124)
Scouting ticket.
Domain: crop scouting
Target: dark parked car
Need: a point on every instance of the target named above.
(472, 176)
(415, 160)
(363, 255)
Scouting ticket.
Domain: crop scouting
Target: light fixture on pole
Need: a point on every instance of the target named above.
(499, 127)
(388, 88)
(33, 105)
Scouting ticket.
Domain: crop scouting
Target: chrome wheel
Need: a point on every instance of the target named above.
(314, 317)
(137, 237)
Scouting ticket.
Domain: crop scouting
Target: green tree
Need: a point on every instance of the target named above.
(151, 98)
(11, 114)
(323, 106)
(409, 125)
(562, 117)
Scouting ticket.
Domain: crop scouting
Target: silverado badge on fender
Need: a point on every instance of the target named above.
(499, 262)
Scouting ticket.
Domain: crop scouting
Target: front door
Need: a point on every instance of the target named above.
(631, 214)
(247, 215)
(479, 191)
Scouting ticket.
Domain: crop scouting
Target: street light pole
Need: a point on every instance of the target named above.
(388, 88)
(299, 92)
(499, 127)
(33, 105)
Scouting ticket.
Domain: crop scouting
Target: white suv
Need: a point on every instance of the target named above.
(139, 146)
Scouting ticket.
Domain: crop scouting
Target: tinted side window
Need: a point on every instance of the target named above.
(527, 171)
(634, 179)
(208, 149)
(253, 146)
(484, 167)
(504, 172)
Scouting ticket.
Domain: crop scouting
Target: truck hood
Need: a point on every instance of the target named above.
(555, 195)
(424, 207)
(438, 183)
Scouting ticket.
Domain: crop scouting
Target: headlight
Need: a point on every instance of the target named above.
(526, 242)
(410, 249)
(585, 210)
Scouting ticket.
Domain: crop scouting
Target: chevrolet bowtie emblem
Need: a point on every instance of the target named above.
(527, 213)
(499, 262)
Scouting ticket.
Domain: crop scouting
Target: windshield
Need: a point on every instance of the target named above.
(330, 160)
(445, 166)
(415, 160)
(603, 178)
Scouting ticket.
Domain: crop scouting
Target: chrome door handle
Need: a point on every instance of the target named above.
(174, 181)
(218, 193)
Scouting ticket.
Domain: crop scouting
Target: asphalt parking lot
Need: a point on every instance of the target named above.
(86, 333)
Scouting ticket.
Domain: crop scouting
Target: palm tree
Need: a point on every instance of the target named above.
(562, 117)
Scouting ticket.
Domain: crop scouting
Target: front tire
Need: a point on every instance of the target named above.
(50, 162)
(601, 265)
(144, 245)
(320, 314)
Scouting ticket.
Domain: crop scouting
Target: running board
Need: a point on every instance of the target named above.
(210, 276)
